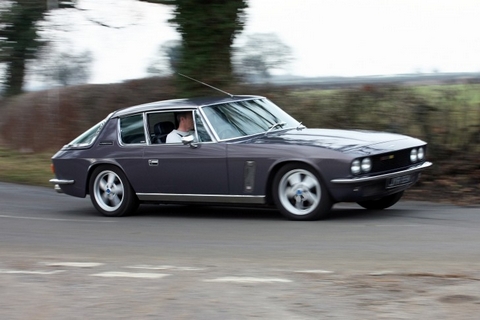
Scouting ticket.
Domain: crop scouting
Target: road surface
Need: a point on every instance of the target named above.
(60, 259)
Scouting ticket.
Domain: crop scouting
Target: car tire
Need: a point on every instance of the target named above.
(382, 203)
(111, 193)
(300, 194)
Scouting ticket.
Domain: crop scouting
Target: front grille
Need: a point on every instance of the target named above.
(391, 161)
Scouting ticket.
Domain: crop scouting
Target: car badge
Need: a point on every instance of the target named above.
(389, 157)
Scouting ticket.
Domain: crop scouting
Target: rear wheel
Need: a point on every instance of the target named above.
(111, 193)
(299, 193)
(382, 203)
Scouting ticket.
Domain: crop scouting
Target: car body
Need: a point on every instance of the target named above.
(244, 150)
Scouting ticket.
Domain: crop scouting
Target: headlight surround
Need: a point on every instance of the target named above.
(420, 154)
(417, 154)
(414, 155)
(366, 165)
(356, 167)
(361, 166)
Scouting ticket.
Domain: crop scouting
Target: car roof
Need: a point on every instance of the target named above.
(190, 103)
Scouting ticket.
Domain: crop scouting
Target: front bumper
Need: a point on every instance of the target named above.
(421, 167)
(374, 187)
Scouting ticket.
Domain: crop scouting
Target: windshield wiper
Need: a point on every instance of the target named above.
(300, 127)
(275, 125)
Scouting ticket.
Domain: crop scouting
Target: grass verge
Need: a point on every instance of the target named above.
(25, 168)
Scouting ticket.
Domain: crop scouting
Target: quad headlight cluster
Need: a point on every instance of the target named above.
(361, 165)
(364, 165)
(417, 154)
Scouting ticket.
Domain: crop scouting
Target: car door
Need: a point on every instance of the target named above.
(182, 169)
(174, 168)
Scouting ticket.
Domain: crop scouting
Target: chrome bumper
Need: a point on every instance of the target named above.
(421, 167)
(58, 182)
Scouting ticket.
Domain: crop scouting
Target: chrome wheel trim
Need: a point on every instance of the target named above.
(108, 190)
(299, 192)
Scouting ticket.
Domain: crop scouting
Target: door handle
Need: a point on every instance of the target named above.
(153, 162)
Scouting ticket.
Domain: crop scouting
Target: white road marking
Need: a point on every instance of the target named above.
(381, 273)
(74, 264)
(30, 272)
(149, 267)
(55, 219)
(248, 280)
(315, 271)
(396, 225)
(114, 274)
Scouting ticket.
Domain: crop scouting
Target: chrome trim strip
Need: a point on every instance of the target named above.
(423, 166)
(210, 198)
(59, 181)
(206, 125)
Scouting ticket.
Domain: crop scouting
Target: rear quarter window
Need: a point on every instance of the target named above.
(89, 136)
(132, 129)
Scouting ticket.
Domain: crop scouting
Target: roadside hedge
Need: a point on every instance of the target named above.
(446, 116)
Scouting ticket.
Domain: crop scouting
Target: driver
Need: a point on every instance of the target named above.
(185, 127)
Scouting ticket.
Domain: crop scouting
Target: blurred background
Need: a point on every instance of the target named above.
(403, 66)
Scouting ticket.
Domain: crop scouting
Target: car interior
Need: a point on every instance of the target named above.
(161, 130)
(160, 124)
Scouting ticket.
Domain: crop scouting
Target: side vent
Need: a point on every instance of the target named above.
(249, 176)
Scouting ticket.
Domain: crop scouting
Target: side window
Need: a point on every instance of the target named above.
(160, 124)
(132, 129)
(202, 132)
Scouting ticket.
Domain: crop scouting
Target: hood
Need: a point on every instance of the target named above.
(346, 141)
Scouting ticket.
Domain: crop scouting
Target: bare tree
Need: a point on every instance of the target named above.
(167, 59)
(62, 67)
(261, 54)
(19, 41)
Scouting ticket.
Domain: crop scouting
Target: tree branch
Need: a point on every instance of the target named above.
(103, 24)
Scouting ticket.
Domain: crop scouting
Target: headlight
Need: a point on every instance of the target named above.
(366, 165)
(361, 166)
(356, 167)
(413, 155)
(420, 154)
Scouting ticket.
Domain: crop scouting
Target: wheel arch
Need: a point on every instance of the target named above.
(97, 164)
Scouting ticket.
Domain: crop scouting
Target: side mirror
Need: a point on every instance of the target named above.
(189, 140)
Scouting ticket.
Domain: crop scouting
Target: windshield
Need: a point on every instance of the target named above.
(249, 117)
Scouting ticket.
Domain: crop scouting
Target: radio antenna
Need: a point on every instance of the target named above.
(206, 84)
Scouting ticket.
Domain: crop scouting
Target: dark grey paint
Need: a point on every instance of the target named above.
(166, 172)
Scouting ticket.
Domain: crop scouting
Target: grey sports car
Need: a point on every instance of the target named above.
(244, 150)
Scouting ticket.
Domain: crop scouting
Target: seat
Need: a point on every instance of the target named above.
(161, 130)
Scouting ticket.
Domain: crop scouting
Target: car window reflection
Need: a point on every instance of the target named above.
(243, 118)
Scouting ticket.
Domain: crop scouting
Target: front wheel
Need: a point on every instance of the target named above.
(111, 193)
(299, 193)
(382, 203)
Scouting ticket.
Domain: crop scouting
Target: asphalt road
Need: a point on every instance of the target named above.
(60, 259)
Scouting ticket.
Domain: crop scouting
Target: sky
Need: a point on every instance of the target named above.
(328, 37)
